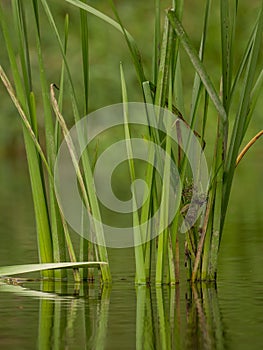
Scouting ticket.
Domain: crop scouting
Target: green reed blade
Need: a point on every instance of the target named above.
(226, 47)
(172, 235)
(89, 201)
(88, 176)
(61, 84)
(157, 40)
(197, 87)
(243, 62)
(255, 94)
(86, 247)
(62, 74)
(35, 171)
(177, 5)
(163, 250)
(65, 60)
(198, 65)
(146, 208)
(164, 65)
(138, 248)
(85, 56)
(58, 240)
(240, 120)
(21, 30)
(77, 274)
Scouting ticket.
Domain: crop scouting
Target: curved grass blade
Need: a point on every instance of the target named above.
(248, 146)
(136, 56)
(129, 39)
(21, 269)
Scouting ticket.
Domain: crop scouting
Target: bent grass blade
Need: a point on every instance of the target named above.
(21, 269)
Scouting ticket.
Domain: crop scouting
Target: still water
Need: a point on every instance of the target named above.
(36, 315)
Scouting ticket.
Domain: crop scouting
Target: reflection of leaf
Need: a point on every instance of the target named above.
(18, 290)
(19, 269)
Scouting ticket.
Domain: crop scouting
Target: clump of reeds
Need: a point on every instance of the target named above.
(54, 241)
(240, 78)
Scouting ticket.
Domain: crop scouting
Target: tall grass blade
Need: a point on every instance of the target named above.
(35, 169)
(58, 240)
(160, 98)
(86, 247)
(197, 87)
(255, 94)
(243, 62)
(139, 256)
(164, 66)
(85, 56)
(226, 47)
(88, 200)
(198, 65)
(88, 176)
(240, 120)
(157, 40)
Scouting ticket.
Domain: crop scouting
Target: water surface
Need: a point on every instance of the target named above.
(65, 316)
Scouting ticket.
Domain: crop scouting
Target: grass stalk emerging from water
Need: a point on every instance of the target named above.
(234, 102)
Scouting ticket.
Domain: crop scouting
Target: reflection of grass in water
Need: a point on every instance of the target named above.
(166, 317)
(241, 82)
(161, 321)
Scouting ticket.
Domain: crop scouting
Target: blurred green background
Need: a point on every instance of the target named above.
(108, 48)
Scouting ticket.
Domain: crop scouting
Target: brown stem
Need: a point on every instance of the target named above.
(247, 147)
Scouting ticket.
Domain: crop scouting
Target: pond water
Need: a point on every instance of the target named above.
(66, 316)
